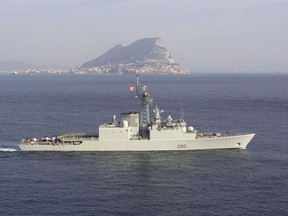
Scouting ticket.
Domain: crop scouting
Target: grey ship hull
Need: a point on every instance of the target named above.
(132, 133)
(94, 144)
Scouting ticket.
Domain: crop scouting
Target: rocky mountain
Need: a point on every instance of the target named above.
(146, 55)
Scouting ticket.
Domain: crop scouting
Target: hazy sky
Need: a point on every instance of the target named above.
(202, 35)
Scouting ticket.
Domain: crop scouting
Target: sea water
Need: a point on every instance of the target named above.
(216, 182)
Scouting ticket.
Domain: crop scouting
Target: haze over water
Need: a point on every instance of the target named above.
(213, 36)
(221, 182)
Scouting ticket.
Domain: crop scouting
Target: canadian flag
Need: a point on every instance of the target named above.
(132, 88)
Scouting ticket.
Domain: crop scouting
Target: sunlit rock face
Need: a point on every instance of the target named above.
(146, 55)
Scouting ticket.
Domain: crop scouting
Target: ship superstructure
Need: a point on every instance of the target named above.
(134, 133)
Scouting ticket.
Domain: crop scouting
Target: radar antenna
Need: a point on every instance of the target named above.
(158, 112)
(142, 93)
(182, 112)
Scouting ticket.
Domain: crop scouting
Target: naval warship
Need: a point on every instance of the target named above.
(139, 133)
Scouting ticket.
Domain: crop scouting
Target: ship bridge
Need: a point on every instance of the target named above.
(126, 129)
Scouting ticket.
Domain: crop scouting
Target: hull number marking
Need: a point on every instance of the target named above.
(181, 146)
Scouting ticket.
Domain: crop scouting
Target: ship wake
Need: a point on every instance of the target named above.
(8, 149)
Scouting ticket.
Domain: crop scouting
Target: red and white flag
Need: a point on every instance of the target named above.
(132, 88)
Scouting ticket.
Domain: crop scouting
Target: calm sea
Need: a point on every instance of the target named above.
(219, 182)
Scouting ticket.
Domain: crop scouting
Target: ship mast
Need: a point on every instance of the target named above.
(142, 93)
